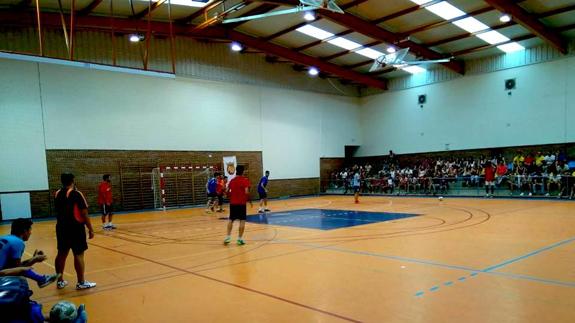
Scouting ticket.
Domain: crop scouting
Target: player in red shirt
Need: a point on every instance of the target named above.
(238, 191)
(105, 202)
(489, 179)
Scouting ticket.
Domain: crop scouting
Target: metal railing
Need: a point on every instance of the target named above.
(472, 185)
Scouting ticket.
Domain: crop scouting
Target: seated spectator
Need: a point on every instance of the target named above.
(12, 248)
(536, 181)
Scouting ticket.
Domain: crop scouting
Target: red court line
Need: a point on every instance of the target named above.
(233, 285)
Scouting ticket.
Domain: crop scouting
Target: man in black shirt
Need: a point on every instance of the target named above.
(72, 218)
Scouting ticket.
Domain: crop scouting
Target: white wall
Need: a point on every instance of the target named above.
(22, 150)
(88, 109)
(474, 112)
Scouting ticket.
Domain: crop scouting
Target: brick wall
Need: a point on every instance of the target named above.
(89, 165)
(329, 165)
(290, 187)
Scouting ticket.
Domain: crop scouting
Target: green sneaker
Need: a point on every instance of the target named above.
(228, 240)
(241, 242)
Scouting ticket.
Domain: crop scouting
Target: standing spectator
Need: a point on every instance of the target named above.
(105, 202)
(72, 220)
(489, 178)
(239, 190)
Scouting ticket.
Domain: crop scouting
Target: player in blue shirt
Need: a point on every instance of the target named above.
(12, 248)
(263, 192)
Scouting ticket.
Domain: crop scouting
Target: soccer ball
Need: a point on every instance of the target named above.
(64, 312)
(440, 198)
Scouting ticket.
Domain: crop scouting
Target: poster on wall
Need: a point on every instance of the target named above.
(230, 164)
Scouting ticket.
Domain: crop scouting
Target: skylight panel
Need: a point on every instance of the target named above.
(493, 37)
(369, 53)
(420, 2)
(344, 43)
(471, 25)
(414, 69)
(511, 47)
(314, 32)
(445, 10)
(187, 3)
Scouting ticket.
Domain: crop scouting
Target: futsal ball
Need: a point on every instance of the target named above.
(440, 198)
(64, 312)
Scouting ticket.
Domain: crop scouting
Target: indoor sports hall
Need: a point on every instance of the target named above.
(421, 159)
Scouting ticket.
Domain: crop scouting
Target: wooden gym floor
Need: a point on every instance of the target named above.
(458, 260)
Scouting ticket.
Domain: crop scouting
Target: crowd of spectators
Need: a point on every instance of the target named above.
(532, 173)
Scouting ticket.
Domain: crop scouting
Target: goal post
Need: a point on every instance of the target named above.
(181, 185)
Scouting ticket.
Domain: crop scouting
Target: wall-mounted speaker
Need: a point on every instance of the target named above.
(422, 99)
(510, 84)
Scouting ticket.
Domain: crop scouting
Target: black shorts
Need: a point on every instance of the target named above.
(238, 212)
(356, 189)
(263, 195)
(221, 199)
(73, 237)
(106, 209)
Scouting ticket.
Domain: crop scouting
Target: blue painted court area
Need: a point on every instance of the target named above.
(325, 219)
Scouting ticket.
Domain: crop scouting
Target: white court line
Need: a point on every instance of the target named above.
(47, 264)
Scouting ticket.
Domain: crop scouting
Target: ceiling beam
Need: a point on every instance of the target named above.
(364, 27)
(89, 8)
(446, 22)
(501, 26)
(530, 22)
(149, 9)
(102, 23)
(516, 39)
(303, 59)
(301, 24)
(467, 35)
(200, 12)
(52, 21)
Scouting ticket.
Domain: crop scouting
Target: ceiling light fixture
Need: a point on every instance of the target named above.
(313, 71)
(391, 49)
(505, 18)
(309, 16)
(237, 47)
(134, 38)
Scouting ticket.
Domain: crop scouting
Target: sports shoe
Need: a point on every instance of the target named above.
(48, 279)
(241, 242)
(261, 211)
(111, 226)
(85, 285)
(267, 210)
(227, 240)
(61, 284)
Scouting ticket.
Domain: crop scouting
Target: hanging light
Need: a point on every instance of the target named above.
(134, 38)
(313, 71)
(237, 47)
(309, 16)
(505, 18)
(391, 49)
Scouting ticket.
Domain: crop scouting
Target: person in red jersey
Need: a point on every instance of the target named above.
(489, 178)
(105, 202)
(238, 191)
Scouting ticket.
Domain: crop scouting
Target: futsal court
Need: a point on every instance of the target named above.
(325, 259)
